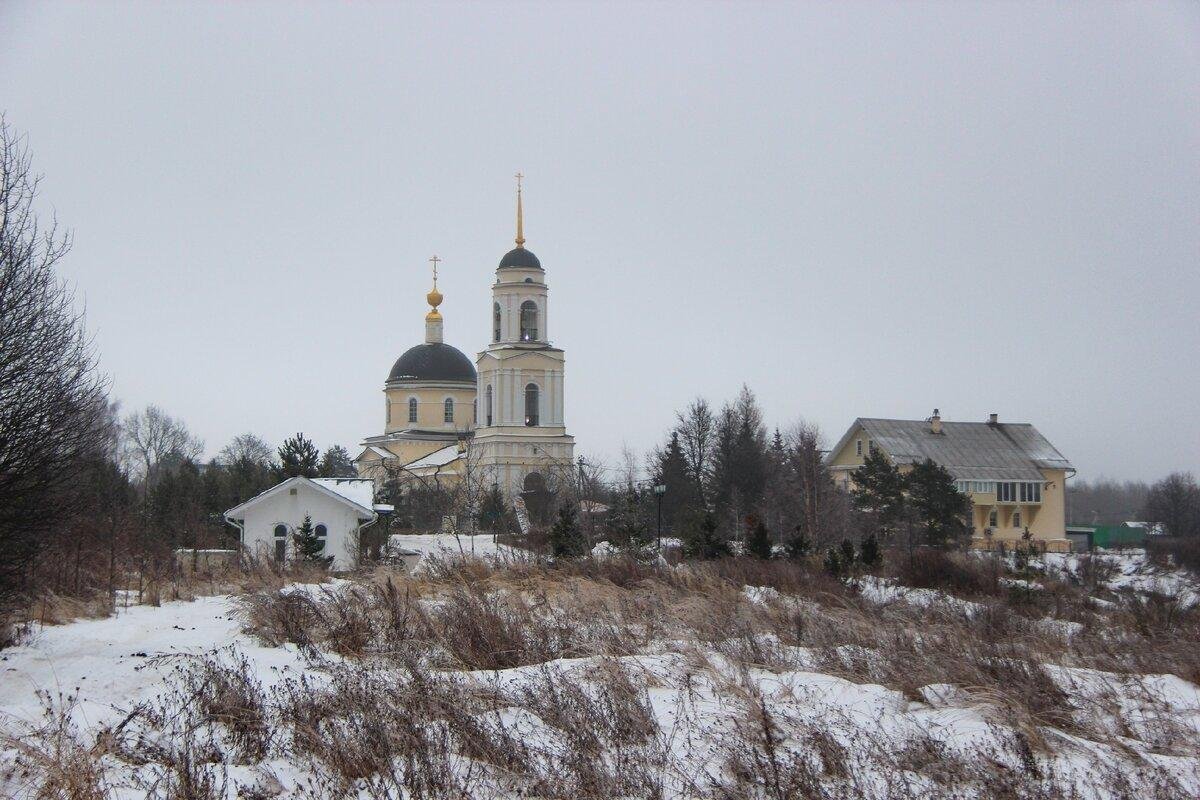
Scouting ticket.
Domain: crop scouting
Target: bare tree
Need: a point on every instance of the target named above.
(697, 435)
(1174, 503)
(629, 467)
(153, 435)
(248, 448)
(53, 401)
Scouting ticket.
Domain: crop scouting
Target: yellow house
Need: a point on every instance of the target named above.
(1015, 478)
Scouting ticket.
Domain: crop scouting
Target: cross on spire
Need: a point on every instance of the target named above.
(435, 260)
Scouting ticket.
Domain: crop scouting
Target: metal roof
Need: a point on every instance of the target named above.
(968, 450)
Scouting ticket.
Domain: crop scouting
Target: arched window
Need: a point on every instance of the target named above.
(448, 410)
(412, 409)
(487, 405)
(495, 322)
(529, 321)
(281, 533)
(531, 404)
(321, 532)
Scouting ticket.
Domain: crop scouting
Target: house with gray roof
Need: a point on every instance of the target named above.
(1016, 479)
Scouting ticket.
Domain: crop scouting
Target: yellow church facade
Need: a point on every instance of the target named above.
(498, 421)
(1015, 478)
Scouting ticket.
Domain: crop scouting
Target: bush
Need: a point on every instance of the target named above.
(1181, 551)
(954, 573)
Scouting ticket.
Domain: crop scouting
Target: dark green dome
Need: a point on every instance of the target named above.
(520, 257)
(433, 361)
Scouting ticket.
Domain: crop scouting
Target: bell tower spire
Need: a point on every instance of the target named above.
(520, 216)
(433, 320)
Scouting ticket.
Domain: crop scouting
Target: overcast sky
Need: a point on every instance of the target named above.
(857, 210)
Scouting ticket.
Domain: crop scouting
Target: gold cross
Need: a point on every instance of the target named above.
(435, 261)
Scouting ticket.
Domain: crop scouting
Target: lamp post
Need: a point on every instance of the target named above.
(659, 491)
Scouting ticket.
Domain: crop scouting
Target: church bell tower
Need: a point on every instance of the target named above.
(521, 441)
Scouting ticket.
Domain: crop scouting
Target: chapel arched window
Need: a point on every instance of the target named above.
(448, 410)
(412, 409)
(529, 321)
(531, 404)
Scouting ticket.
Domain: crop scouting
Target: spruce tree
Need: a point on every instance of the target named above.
(702, 541)
(566, 539)
(798, 547)
(298, 457)
(940, 508)
(833, 564)
(758, 543)
(869, 552)
(671, 470)
(310, 548)
(492, 510)
(847, 556)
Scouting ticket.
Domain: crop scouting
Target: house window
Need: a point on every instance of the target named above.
(412, 409)
(495, 322)
(281, 533)
(1016, 519)
(529, 321)
(858, 447)
(870, 446)
(448, 410)
(531, 404)
(321, 532)
(1031, 492)
(994, 519)
(487, 405)
(1006, 492)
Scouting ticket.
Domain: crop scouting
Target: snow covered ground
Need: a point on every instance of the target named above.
(693, 721)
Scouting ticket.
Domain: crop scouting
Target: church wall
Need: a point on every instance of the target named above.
(430, 410)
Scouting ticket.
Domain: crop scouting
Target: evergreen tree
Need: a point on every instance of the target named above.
(879, 490)
(310, 548)
(566, 539)
(626, 522)
(777, 442)
(758, 543)
(833, 563)
(298, 457)
(492, 510)
(336, 463)
(799, 546)
(671, 470)
(939, 507)
(701, 539)
(847, 556)
(869, 552)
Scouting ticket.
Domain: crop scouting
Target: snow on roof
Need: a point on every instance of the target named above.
(356, 490)
(438, 458)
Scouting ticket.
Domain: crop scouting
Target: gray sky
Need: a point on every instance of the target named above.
(858, 210)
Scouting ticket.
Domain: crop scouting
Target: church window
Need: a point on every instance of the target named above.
(412, 409)
(531, 404)
(487, 406)
(495, 322)
(529, 321)
(448, 410)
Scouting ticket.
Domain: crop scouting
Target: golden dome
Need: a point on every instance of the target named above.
(434, 297)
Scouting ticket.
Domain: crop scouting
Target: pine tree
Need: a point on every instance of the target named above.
(940, 508)
(869, 552)
(879, 489)
(758, 543)
(566, 539)
(798, 547)
(336, 463)
(298, 456)
(702, 541)
(310, 548)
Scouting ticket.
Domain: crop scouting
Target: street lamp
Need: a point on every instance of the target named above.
(659, 491)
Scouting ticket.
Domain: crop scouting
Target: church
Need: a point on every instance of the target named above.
(496, 422)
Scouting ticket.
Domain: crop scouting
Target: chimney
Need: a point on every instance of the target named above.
(935, 422)
(993, 419)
